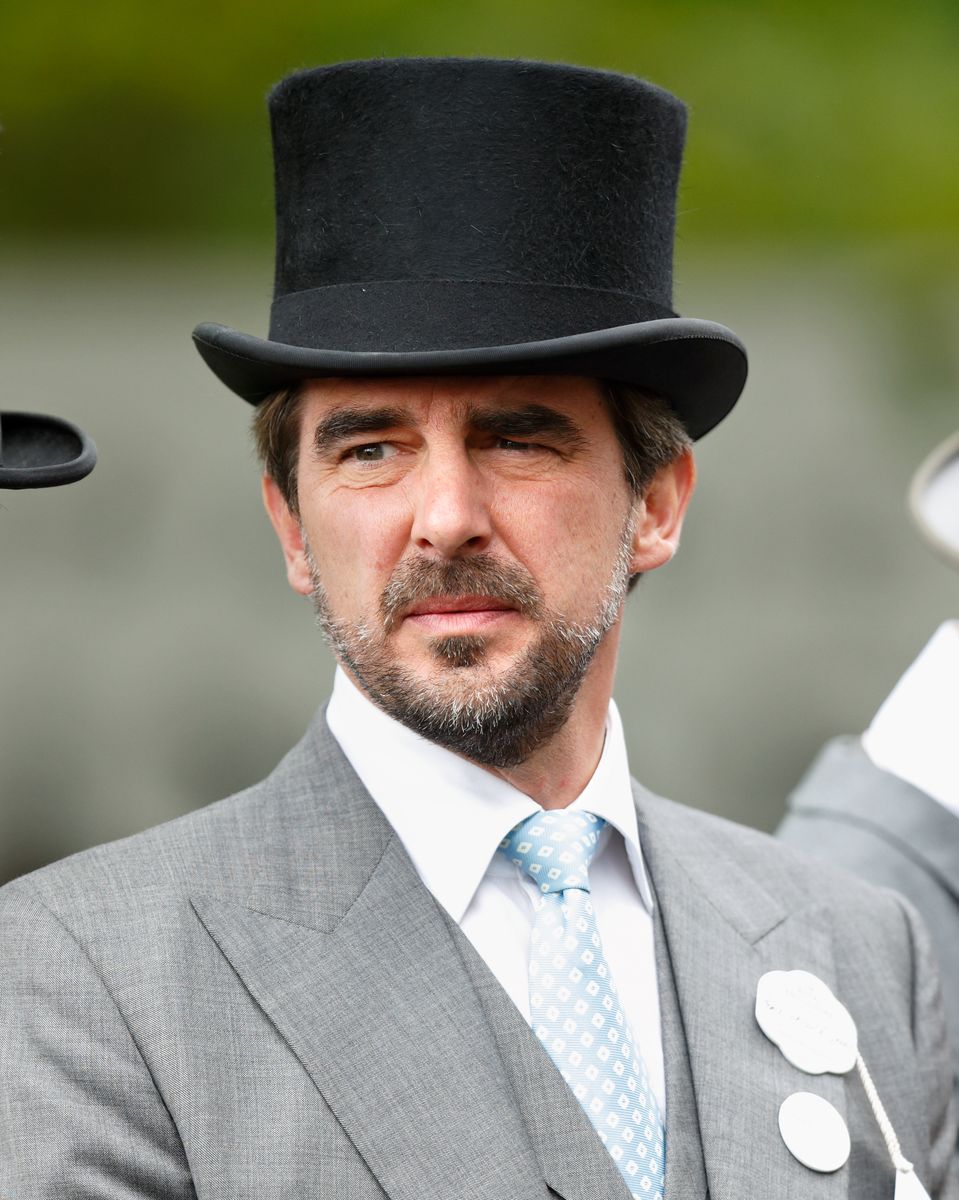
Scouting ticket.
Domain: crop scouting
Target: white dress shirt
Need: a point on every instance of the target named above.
(915, 734)
(451, 815)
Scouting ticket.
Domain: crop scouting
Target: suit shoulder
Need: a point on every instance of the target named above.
(219, 845)
(796, 879)
(168, 856)
(218, 849)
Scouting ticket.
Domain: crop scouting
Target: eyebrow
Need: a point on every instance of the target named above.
(349, 422)
(532, 420)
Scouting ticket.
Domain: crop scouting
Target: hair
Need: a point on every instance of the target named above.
(276, 434)
(649, 431)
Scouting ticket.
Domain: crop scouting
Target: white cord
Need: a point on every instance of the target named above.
(885, 1125)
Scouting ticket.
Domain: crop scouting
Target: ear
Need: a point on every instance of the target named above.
(290, 533)
(659, 518)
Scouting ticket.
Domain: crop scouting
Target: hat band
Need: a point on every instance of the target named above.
(410, 315)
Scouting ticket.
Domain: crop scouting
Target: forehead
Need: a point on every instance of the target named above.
(425, 400)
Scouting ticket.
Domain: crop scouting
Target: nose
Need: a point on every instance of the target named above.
(451, 507)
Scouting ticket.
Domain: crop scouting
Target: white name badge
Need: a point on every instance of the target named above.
(814, 1132)
(800, 1015)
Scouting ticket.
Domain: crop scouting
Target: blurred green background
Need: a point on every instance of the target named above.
(151, 658)
(810, 118)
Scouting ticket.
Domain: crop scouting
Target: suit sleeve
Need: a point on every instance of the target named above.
(80, 1115)
(936, 1059)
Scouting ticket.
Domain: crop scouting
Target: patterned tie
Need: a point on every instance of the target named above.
(573, 1003)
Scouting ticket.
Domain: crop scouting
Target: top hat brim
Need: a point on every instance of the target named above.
(934, 499)
(38, 451)
(698, 367)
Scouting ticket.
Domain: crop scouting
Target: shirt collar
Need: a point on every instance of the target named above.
(451, 814)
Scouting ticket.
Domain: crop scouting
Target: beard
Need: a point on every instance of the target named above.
(498, 719)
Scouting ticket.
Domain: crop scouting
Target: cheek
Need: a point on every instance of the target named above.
(356, 547)
(568, 540)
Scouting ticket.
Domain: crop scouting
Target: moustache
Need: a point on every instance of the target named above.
(418, 579)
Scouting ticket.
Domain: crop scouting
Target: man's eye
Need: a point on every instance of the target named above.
(371, 452)
(508, 444)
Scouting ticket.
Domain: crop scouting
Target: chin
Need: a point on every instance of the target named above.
(469, 652)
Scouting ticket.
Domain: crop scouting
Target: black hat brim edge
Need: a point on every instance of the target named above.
(39, 451)
(945, 457)
(698, 366)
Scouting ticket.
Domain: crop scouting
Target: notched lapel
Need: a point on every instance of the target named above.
(381, 1013)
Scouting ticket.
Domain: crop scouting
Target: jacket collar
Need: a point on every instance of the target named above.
(349, 956)
(362, 973)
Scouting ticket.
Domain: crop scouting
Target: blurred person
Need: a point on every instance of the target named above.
(886, 805)
(389, 968)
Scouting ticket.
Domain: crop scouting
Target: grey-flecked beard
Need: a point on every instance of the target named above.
(496, 720)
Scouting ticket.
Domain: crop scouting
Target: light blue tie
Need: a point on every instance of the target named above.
(574, 1008)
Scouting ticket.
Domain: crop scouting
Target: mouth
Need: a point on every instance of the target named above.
(459, 614)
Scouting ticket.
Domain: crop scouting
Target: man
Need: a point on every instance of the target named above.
(447, 949)
(886, 805)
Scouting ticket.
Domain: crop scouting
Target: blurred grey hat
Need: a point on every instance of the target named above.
(41, 451)
(934, 499)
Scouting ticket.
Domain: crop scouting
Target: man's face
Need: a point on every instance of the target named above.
(467, 543)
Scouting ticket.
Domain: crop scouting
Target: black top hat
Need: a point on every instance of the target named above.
(40, 451)
(478, 216)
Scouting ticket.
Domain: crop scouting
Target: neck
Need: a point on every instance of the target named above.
(556, 773)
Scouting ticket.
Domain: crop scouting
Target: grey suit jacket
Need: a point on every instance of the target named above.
(853, 815)
(262, 1000)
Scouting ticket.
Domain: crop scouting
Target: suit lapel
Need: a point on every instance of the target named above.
(685, 1169)
(350, 958)
(723, 932)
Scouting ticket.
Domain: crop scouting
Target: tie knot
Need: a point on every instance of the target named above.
(555, 848)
